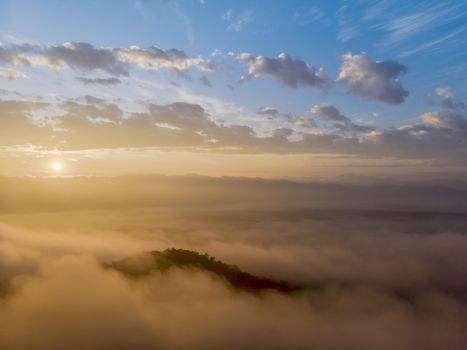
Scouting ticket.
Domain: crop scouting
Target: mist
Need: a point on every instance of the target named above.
(372, 278)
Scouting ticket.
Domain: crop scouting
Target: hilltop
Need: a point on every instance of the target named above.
(146, 264)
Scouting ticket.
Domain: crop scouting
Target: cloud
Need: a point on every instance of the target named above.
(448, 101)
(270, 111)
(290, 72)
(413, 21)
(173, 125)
(115, 61)
(433, 44)
(441, 135)
(446, 120)
(82, 56)
(13, 54)
(154, 58)
(17, 125)
(99, 81)
(343, 123)
(92, 123)
(300, 121)
(408, 279)
(444, 91)
(216, 52)
(375, 80)
(237, 23)
(411, 29)
(349, 27)
(95, 123)
(74, 55)
(308, 15)
(11, 74)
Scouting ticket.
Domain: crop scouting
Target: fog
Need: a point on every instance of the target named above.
(373, 278)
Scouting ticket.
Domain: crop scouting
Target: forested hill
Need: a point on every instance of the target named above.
(146, 264)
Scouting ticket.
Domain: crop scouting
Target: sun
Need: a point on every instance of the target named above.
(56, 166)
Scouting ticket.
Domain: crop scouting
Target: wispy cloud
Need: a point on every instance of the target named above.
(237, 23)
(347, 23)
(433, 44)
(401, 24)
(422, 18)
(307, 15)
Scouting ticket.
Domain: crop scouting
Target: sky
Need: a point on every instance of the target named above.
(302, 89)
(318, 143)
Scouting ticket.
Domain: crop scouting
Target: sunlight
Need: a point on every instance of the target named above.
(233, 174)
(56, 166)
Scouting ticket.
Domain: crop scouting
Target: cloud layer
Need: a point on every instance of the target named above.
(377, 274)
(90, 123)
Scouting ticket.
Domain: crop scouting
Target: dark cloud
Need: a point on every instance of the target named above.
(99, 81)
(288, 71)
(282, 133)
(450, 103)
(305, 122)
(375, 80)
(342, 123)
(269, 111)
(296, 120)
(83, 56)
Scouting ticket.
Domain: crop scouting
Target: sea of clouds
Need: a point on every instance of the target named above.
(382, 280)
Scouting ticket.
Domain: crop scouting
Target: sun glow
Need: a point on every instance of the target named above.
(56, 166)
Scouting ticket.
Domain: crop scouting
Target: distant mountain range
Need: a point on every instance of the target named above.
(196, 192)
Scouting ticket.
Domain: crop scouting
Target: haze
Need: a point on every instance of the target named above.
(233, 175)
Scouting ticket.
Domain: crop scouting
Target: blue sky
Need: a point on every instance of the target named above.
(425, 41)
(310, 30)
